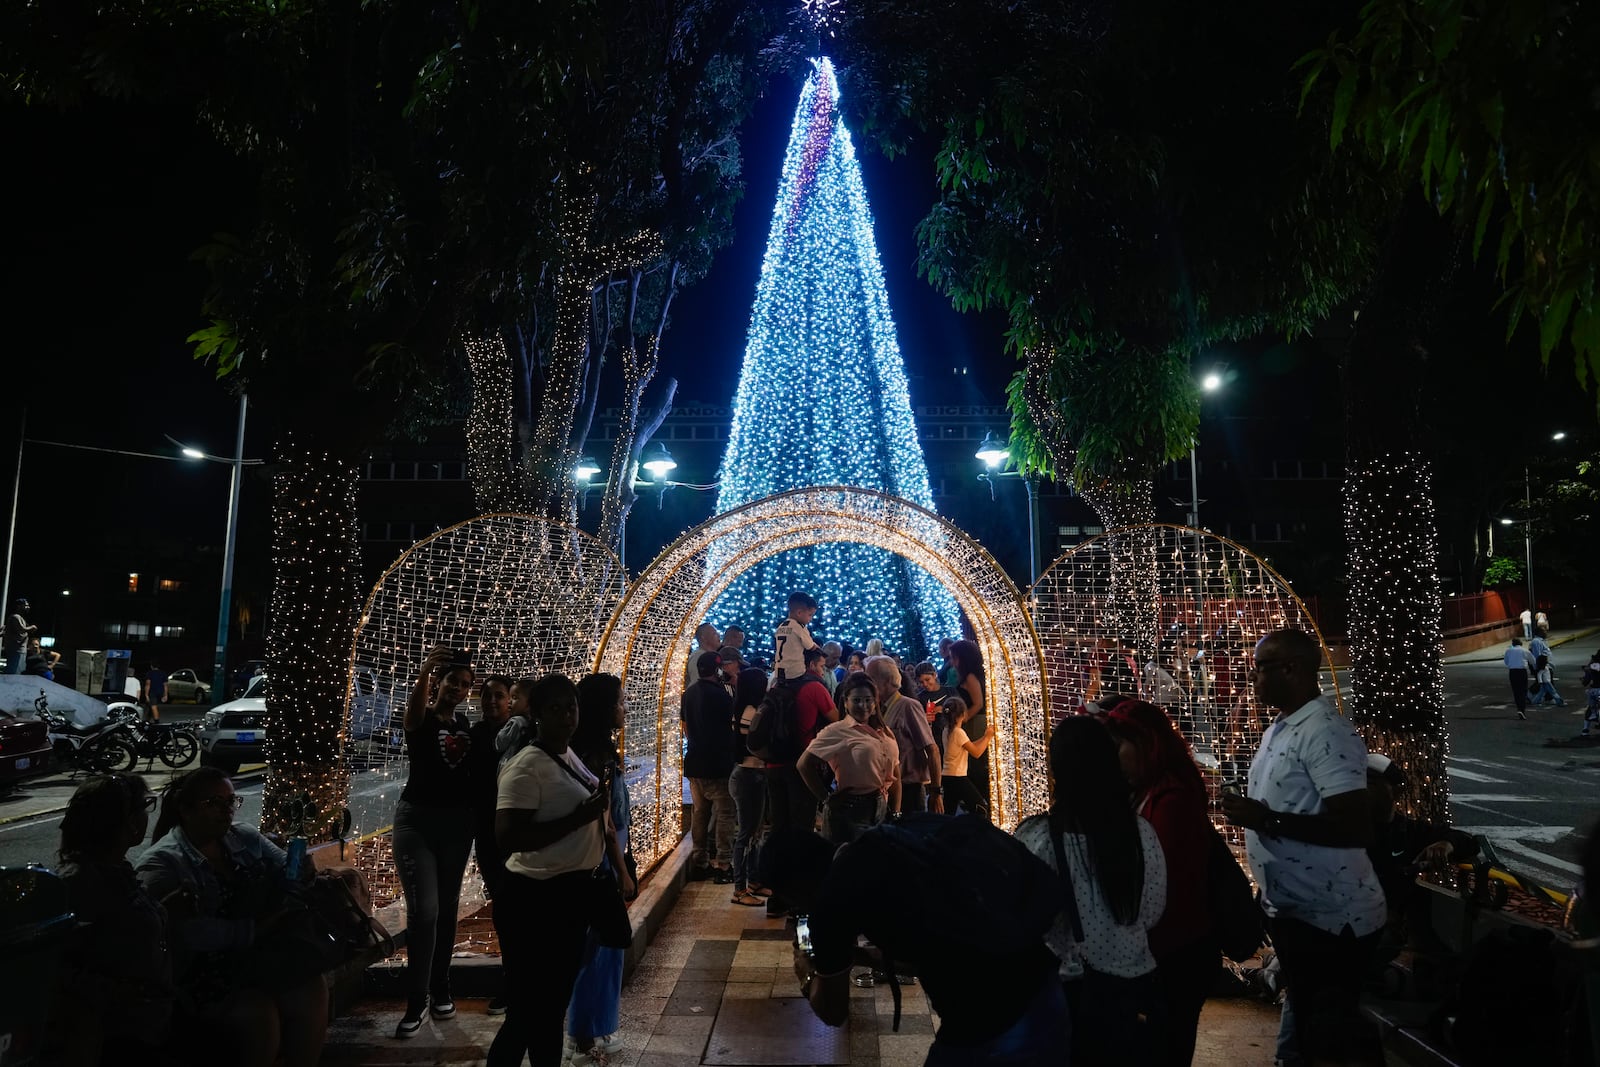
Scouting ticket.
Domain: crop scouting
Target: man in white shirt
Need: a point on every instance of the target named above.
(1307, 828)
(1527, 623)
(1519, 662)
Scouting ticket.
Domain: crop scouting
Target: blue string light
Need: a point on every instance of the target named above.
(822, 399)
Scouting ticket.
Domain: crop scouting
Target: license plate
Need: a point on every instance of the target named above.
(245, 737)
(24, 763)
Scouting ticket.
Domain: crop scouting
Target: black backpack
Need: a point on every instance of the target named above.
(774, 732)
(964, 865)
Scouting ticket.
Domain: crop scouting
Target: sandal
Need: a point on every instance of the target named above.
(759, 890)
(748, 899)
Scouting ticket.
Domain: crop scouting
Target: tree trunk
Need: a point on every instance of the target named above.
(499, 479)
(315, 602)
(1132, 608)
(1394, 628)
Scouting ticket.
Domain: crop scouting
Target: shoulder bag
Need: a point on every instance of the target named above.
(607, 911)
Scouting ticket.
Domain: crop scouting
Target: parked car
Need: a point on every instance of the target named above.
(186, 685)
(236, 732)
(25, 750)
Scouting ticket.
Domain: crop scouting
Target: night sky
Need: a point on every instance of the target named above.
(109, 291)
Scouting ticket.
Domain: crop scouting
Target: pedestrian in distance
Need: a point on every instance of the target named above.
(1591, 689)
(17, 632)
(1527, 624)
(1519, 665)
(155, 690)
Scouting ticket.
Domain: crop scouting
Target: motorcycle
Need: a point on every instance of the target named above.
(100, 748)
(176, 746)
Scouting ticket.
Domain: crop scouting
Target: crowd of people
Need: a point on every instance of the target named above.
(790, 773)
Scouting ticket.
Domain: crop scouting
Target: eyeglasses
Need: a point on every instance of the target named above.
(151, 801)
(229, 804)
(1264, 665)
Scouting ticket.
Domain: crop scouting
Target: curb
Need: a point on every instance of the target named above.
(1567, 640)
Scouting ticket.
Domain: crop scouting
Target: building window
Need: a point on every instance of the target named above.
(133, 583)
(169, 585)
(1069, 531)
(169, 631)
(138, 629)
(112, 629)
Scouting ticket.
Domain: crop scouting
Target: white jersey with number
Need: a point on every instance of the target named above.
(790, 643)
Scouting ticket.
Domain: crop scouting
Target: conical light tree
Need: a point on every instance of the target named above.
(822, 400)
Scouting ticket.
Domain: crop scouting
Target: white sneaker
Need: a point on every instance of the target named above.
(608, 1043)
(592, 1058)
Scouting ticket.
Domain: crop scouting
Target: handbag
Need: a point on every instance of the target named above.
(607, 911)
(1115, 1019)
(1236, 918)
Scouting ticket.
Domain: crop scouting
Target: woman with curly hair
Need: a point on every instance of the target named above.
(1168, 791)
(117, 958)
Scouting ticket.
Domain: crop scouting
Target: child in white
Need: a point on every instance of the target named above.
(957, 748)
(792, 638)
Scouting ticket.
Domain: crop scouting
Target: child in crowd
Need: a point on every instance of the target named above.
(957, 748)
(792, 639)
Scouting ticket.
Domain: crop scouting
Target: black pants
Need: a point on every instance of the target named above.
(959, 792)
(1323, 972)
(1519, 687)
(1184, 976)
(542, 930)
(913, 796)
(790, 806)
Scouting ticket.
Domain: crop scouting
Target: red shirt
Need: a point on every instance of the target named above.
(813, 709)
(1178, 815)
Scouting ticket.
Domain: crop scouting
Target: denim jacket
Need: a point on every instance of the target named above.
(174, 863)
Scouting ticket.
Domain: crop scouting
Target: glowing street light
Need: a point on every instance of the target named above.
(1211, 382)
(658, 461)
(992, 451)
(587, 468)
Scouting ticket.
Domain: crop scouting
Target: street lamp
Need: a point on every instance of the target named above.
(219, 664)
(586, 469)
(658, 461)
(994, 452)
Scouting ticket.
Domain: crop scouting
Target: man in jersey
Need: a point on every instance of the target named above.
(792, 640)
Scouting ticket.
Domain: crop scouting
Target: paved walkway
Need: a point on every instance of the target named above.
(1556, 638)
(717, 986)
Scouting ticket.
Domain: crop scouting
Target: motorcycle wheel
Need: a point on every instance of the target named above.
(115, 754)
(178, 750)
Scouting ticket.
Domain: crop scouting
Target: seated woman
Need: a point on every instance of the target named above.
(117, 959)
(222, 883)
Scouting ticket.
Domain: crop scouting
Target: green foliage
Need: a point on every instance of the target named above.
(1489, 105)
(1502, 571)
(1129, 185)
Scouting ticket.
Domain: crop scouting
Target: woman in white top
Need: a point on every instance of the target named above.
(865, 760)
(546, 821)
(1119, 886)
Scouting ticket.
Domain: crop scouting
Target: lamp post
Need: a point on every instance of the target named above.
(1212, 381)
(219, 663)
(994, 452)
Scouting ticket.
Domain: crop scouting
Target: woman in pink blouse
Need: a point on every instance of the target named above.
(865, 761)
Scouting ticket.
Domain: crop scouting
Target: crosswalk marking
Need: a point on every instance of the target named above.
(1474, 776)
(1497, 798)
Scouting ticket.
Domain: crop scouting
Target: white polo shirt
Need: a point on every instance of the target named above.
(1305, 756)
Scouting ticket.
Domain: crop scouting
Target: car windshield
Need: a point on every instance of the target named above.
(258, 687)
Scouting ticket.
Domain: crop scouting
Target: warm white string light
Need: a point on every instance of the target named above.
(1167, 594)
(648, 640)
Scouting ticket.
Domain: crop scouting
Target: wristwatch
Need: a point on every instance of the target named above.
(936, 790)
(1274, 825)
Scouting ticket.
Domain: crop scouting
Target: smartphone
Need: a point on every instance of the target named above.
(802, 933)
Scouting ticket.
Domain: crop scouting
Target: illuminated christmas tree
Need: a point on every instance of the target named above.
(822, 400)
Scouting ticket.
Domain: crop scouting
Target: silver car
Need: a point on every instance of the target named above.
(186, 685)
(236, 732)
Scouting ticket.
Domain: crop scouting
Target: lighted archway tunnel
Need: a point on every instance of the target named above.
(649, 638)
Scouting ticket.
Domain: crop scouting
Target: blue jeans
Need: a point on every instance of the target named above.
(597, 996)
(15, 658)
(846, 816)
(749, 788)
(431, 845)
(1040, 1038)
(1547, 694)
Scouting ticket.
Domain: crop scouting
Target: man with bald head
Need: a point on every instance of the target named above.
(1307, 829)
(921, 768)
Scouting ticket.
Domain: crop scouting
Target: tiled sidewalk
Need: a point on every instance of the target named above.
(717, 986)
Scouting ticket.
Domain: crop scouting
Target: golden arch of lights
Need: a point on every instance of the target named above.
(1164, 610)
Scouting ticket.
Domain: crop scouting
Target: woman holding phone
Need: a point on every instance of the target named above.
(432, 835)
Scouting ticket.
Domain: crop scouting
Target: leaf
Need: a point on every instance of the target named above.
(1554, 322)
(1343, 97)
